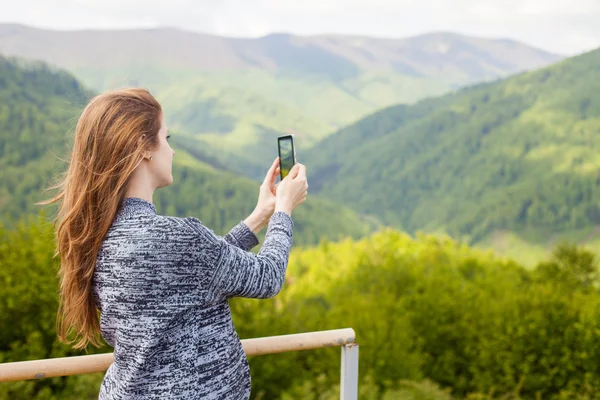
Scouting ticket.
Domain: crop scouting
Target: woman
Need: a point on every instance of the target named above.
(161, 283)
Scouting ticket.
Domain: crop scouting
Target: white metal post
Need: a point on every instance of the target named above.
(349, 375)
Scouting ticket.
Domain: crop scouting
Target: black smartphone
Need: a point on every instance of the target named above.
(287, 154)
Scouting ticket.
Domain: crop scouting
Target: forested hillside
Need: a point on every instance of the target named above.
(38, 108)
(520, 155)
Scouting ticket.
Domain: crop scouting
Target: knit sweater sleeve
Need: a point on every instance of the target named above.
(242, 237)
(236, 272)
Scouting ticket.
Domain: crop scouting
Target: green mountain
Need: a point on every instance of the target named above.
(39, 105)
(238, 94)
(508, 164)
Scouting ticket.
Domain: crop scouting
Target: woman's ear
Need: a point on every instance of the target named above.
(145, 154)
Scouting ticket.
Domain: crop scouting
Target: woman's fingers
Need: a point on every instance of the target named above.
(273, 185)
(301, 170)
(295, 170)
(272, 173)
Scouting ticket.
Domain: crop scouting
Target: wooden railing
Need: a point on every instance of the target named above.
(77, 365)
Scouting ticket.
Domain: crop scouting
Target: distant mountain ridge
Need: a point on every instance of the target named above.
(338, 56)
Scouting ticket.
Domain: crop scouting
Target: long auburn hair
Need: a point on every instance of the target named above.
(112, 133)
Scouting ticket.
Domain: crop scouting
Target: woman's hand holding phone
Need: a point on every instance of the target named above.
(285, 196)
(265, 206)
(292, 190)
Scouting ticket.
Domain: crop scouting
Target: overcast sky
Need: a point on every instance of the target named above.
(563, 26)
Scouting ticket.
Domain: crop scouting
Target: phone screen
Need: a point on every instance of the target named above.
(286, 155)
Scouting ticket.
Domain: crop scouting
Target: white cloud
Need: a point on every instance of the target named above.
(566, 26)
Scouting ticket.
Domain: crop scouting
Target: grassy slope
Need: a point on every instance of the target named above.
(240, 113)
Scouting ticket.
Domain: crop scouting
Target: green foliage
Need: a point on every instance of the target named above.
(28, 306)
(572, 269)
(516, 155)
(434, 320)
(433, 309)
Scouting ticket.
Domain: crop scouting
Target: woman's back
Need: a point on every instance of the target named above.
(162, 285)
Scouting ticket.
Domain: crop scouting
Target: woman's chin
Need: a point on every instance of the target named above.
(167, 182)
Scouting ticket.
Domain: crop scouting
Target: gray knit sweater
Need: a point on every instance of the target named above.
(162, 285)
